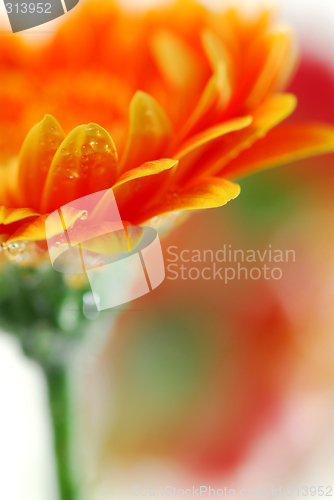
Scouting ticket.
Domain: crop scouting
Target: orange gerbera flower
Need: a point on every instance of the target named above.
(204, 94)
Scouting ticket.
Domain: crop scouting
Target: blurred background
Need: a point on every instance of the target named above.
(203, 382)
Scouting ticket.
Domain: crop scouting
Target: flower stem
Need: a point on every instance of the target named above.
(56, 377)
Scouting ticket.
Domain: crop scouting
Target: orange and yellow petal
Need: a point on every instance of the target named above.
(150, 132)
(203, 193)
(11, 215)
(270, 113)
(285, 144)
(135, 192)
(36, 156)
(85, 162)
(192, 149)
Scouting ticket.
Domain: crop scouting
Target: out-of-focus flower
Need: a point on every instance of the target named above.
(195, 374)
(204, 98)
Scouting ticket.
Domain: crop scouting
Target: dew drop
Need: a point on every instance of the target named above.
(96, 157)
(84, 215)
(93, 130)
(86, 149)
(16, 248)
(99, 146)
(72, 174)
(64, 152)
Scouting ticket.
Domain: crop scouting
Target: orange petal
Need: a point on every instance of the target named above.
(36, 155)
(216, 50)
(193, 148)
(10, 193)
(34, 230)
(204, 193)
(279, 45)
(285, 144)
(213, 133)
(145, 170)
(85, 162)
(114, 242)
(30, 231)
(271, 112)
(10, 215)
(150, 132)
(138, 186)
(213, 101)
(178, 64)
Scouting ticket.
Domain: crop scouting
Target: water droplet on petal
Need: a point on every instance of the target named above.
(86, 149)
(84, 215)
(93, 130)
(15, 249)
(72, 174)
(99, 145)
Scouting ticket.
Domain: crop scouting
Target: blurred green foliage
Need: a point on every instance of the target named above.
(42, 311)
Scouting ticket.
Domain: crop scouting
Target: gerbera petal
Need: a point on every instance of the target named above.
(213, 101)
(137, 184)
(145, 170)
(10, 215)
(285, 144)
(279, 45)
(208, 192)
(10, 194)
(114, 242)
(223, 150)
(178, 64)
(150, 132)
(216, 50)
(85, 162)
(198, 144)
(36, 155)
(34, 229)
(213, 133)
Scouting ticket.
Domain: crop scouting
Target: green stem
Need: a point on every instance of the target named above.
(60, 414)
